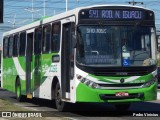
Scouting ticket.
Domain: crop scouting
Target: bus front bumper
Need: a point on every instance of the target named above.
(87, 94)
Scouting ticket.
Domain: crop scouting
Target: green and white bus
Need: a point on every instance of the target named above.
(101, 53)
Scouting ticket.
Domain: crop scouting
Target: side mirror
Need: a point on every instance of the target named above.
(74, 41)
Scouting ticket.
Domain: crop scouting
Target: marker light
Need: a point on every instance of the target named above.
(87, 82)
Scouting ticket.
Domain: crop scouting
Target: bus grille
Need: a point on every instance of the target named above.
(120, 86)
(109, 72)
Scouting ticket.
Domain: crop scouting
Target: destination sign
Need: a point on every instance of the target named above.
(112, 14)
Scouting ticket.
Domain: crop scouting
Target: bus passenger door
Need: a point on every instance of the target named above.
(67, 59)
(29, 52)
(37, 61)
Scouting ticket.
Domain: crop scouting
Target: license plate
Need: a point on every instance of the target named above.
(120, 94)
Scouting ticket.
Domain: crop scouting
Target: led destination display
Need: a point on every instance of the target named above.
(112, 14)
(115, 14)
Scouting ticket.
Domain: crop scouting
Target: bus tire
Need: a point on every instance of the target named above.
(60, 105)
(18, 91)
(123, 107)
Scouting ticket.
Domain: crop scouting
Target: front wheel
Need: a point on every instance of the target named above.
(61, 105)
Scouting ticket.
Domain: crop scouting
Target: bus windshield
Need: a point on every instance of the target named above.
(113, 45)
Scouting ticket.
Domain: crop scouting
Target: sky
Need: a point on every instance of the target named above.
(16, 12)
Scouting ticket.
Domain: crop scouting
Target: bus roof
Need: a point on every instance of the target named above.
(60, 16)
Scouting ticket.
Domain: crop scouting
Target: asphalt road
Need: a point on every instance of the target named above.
(87, 111)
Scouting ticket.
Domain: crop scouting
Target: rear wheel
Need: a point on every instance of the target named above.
(18, 91)
(61, 105)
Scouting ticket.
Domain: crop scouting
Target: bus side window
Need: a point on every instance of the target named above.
(55, 40)
(46, 38)
(22, 43)
(10, 46)
(15, 45)
(5, 47)
(38, 41)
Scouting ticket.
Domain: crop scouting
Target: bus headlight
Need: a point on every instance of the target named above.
(149, 83)
(94, 85)
(87, 82)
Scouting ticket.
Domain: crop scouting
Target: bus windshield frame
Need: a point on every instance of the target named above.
(112, 27)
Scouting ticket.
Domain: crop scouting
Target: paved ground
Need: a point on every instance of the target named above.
(87, 111)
